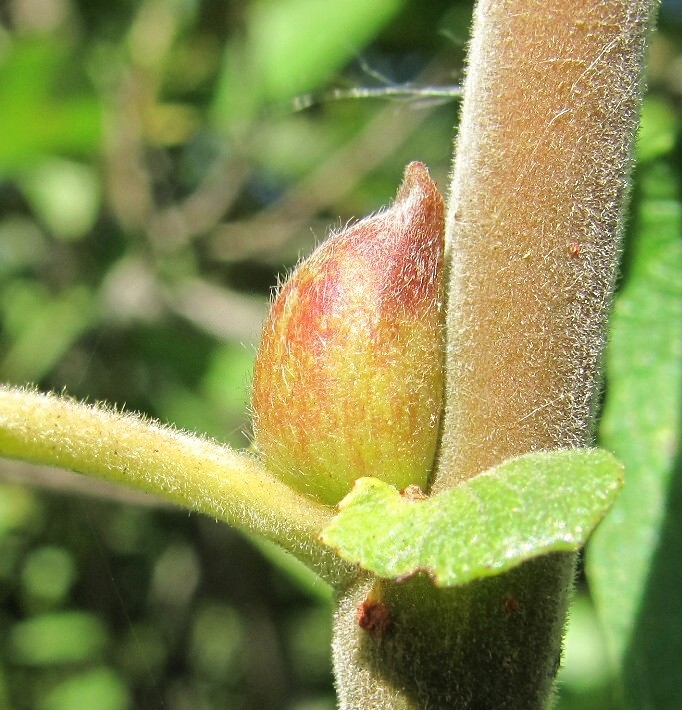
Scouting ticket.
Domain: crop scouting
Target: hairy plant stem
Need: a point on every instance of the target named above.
(186, 469)
(535, 215)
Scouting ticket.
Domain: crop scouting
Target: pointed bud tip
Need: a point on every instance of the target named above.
(416, 179)
(348, 377)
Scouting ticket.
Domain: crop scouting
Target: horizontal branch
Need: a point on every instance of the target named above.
(186, 469)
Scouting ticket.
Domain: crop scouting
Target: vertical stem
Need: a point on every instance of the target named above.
(535, 216)
(536, 211)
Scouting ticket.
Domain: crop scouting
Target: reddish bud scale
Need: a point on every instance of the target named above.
(349, 374)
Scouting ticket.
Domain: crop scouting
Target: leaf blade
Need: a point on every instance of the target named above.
(528, 506)
(634, 562)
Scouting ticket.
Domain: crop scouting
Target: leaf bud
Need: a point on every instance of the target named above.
(348, 378)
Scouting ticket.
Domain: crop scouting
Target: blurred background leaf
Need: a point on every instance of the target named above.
(635, 559)
(155, 178)
(39, 117)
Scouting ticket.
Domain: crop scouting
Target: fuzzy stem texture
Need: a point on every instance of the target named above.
(198, 473)
(535, 215)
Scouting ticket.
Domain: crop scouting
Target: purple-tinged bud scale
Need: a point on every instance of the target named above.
(348, 379)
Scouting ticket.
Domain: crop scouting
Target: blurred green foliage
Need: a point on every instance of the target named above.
(155, 179)
(635, 558)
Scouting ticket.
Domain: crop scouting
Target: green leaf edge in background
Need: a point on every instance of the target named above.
(525, 507)
(634, 561)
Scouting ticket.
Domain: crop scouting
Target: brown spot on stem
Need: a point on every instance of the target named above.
(374, 617)
(510, 605)
(574, 250)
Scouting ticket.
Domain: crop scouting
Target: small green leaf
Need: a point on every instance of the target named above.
(523, 508)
